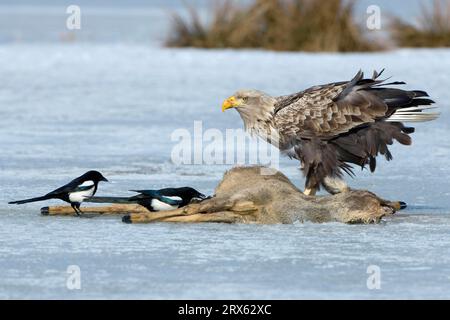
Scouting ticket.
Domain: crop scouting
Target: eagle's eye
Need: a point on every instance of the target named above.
(245, 99)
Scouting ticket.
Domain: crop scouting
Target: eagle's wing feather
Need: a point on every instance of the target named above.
(327, 127)
(327, 111)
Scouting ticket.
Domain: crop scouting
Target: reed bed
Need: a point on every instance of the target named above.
(431, 29)
(282, 25)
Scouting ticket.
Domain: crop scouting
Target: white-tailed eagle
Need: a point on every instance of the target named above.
(329, 127)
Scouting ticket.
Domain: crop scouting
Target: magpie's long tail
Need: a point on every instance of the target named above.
(30, 200)
(124, 200)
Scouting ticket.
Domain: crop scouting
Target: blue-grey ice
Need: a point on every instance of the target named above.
(66, 108)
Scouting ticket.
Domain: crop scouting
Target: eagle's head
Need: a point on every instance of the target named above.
(254, 107)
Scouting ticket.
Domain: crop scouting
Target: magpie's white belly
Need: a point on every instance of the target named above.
(161, 206)
(80, 196)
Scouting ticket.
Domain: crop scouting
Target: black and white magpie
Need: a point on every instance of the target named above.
(157, 200)
(166, 199)
(75, 192)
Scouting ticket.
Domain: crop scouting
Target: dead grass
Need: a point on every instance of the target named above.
(283, 25)
(432, 28)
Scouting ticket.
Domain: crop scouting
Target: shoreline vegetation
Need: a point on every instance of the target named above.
(305, 25)
(430, 30)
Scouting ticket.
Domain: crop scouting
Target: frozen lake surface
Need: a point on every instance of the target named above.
(68, 108)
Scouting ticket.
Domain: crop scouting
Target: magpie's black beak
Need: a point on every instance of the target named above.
(199, 197)
(104, 179)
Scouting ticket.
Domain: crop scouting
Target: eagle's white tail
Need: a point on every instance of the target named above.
(414, 114)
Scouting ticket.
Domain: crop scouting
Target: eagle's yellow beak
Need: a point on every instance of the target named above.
(231, 102)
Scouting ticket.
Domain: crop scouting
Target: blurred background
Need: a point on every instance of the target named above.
(140, 21)
(109, 95)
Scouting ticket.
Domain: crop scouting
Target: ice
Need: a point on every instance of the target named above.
(67, 108)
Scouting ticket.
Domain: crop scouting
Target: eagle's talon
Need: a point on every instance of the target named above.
(310, 192)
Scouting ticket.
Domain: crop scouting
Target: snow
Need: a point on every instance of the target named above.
(69, 108)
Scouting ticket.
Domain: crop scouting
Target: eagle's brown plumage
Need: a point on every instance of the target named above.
(331, 126)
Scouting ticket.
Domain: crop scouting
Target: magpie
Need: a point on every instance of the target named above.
(166, 199)
(157, 200)
(75, 192)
